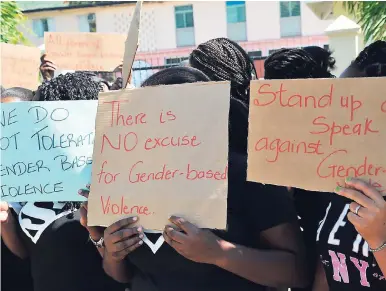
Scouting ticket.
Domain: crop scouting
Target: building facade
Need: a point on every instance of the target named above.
(169, 30)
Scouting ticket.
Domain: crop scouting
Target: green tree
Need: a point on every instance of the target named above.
(371, 16)
(11, 19)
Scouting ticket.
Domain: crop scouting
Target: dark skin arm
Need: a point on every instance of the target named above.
(9, 233)
(121, 238)
(283, 265)
(320, 282)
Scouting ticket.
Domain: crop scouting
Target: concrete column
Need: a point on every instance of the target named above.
(346, 42)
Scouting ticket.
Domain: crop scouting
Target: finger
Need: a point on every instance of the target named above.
(354, 219)
(364, 187)
(183, 224)
(174, 244)
(49, 66)
(122, 245)
(175, 235)
(84, 205)
(83, 217)
(125, 233)
(3, 216)
(361, 211)
(123, 253)
(4, 206)
(84, 192)
(356, 196)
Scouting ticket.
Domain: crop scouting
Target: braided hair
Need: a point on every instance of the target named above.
(294, 63)
(322, 57)
(175, 75)
(372, 60)
(224, 60)
(71, 86)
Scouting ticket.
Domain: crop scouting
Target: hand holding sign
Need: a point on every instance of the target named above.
(368, 211)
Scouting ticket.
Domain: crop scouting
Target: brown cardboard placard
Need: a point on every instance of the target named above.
(139, 170)
(85, 51)
(311, 134)
(19, 66)
(131, 44)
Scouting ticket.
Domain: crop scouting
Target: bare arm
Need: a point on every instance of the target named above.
(284, 265)
(320, 282)
(381, 260)
(121, 238)
(10, 236)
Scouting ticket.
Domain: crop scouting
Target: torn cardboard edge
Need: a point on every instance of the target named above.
(131, 45)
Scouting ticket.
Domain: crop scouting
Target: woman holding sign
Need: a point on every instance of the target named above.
(49, 233)
(352, 235)
(261, 247)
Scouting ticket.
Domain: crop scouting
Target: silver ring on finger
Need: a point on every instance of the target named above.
(357, 209)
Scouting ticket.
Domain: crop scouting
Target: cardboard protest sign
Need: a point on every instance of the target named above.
(19, 66)
(131, 44)
(161, 151)
(46, 150)
(85, 51)
(311, 134)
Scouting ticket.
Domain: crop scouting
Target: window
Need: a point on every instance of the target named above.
(289, 8)
(236, 11)
(270, 52)
(236, 19)
(175, 61)
(184, 25)
(255, 54)
(87, 22)
(290, 20)
(42, 25)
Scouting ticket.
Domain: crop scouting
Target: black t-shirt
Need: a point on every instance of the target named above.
(252, 208)
(345, 255)
(15, 273)
(61, 255)
(310, 207)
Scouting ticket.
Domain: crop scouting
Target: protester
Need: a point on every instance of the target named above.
(224, 60)
(322, 56)
(352, 235)
(293, 63)
(10, 263)
(371, 62)
(49, 233)
(261, 246)
(16, 94)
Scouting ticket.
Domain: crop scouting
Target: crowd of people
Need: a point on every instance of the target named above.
(276, 237)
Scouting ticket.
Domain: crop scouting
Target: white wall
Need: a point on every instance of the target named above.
(263, 20)
(165, 26)
(311, 24)
(158, 29)
(209, 20)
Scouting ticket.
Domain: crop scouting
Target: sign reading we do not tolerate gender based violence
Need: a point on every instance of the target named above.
(312, 134)
(161, 151)
(46, 149)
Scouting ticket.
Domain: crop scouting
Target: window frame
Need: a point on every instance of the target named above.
(183, 13)
(290, 8)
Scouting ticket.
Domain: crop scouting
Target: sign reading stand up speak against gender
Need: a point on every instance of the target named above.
(161, 151)
(312, 134)
(46, 149)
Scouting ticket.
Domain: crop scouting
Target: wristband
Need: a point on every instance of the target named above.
(99, 244)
